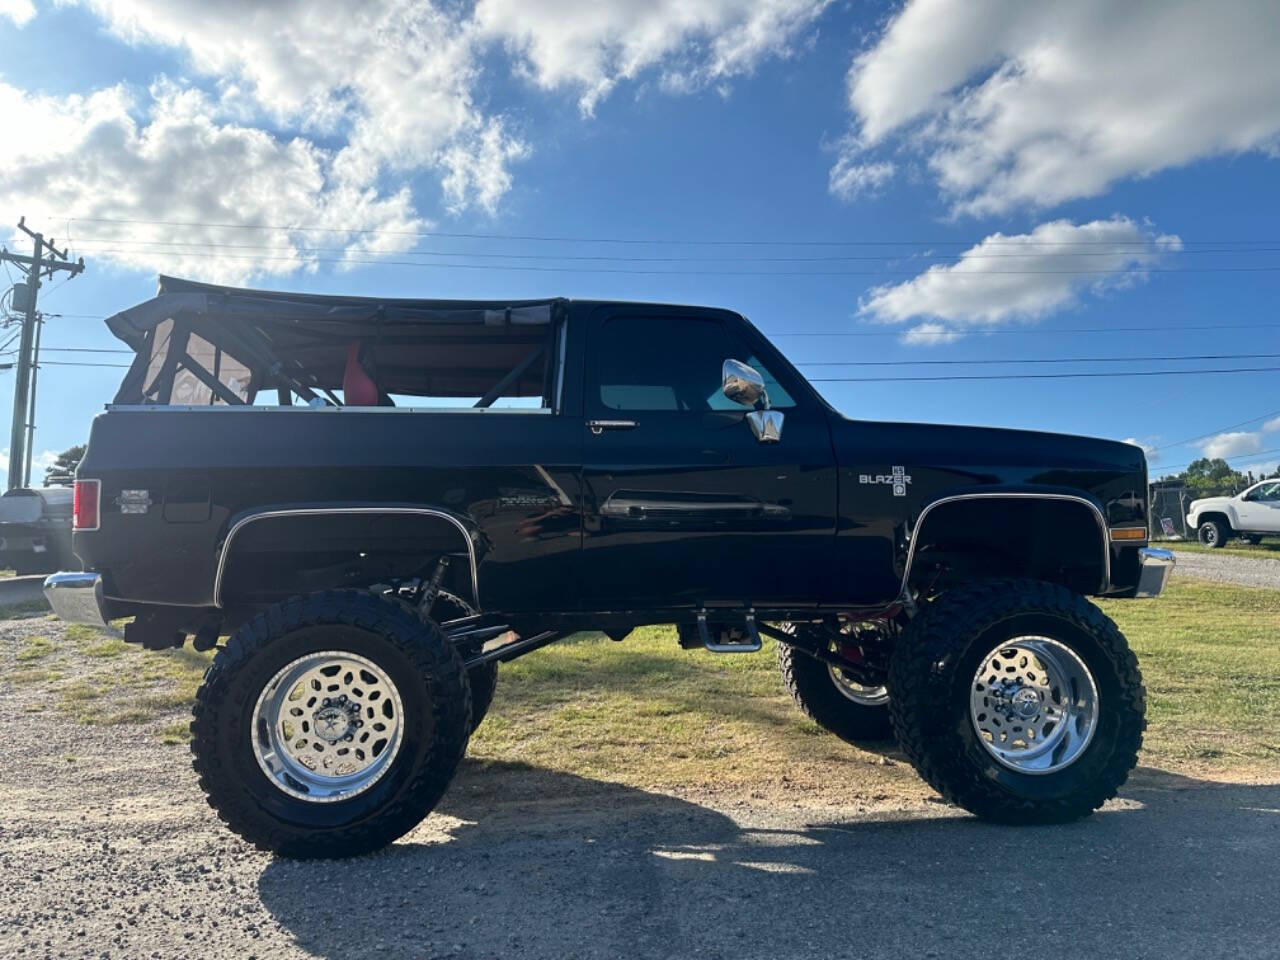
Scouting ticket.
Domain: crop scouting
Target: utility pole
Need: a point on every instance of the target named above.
(36, 266)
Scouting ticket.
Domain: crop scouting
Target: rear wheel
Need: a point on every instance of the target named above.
(833, 699)
(1212, 533)
(1018, 700)
(483, 678)
(330, 725)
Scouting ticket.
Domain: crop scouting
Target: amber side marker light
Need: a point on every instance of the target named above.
(85, 501)
(1128, 533)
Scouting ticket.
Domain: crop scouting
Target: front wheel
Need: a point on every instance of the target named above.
(330, 725)
(1019, 701)
(1212, 533)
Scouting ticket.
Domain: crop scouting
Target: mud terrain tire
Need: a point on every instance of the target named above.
(435, 699)
(933, 675)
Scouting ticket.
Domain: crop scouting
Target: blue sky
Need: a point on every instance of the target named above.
(977, 157)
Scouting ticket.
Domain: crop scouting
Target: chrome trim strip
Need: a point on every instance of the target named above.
(324, 511)
(1097, 515)
(563, 334)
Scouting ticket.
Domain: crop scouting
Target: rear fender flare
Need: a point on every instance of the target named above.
(466, 529)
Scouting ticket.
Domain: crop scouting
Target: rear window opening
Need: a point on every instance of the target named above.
(199, 345)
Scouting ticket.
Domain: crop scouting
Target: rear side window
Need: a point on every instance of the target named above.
(670, 363)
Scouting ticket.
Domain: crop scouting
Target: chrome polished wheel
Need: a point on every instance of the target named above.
(1034, 705)
(327, 726)
(859, 693)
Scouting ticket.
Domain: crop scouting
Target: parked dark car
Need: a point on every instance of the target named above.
(268, 471)
(35, 529)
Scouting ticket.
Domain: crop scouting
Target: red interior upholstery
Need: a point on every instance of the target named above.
(358, 388)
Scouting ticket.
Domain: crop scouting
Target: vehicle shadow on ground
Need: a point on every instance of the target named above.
(545, 864)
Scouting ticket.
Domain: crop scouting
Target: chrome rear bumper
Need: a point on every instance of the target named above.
(77, 598)
(1154, 567)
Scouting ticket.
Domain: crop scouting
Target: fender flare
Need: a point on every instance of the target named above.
(463, 527)
(1098, 516)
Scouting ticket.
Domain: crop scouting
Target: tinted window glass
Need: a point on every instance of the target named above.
(669, 363)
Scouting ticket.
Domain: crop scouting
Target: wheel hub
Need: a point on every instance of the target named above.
(1034, 705)
(336, 721)
(327, 726)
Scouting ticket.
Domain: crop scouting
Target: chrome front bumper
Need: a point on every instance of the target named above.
(77, 598)
(1154, 567)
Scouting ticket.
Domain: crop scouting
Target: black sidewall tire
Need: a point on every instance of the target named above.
(1061, 784)
(1212, 535)
(809, 682)
(435, 700)
(930, 681)
(484, 683)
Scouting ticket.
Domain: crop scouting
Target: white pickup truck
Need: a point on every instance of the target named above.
(1252, 514)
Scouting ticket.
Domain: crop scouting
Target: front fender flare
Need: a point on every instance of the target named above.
(1080, 498)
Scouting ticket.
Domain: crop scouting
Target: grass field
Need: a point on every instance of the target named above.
(1267, 548)
(647, 714)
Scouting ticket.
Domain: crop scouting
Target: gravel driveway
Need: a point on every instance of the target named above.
(1228, 568)
(109, 851)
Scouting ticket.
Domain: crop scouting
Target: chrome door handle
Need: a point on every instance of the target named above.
(600, 426)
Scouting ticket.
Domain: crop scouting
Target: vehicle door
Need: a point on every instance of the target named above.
(682, 504)
(1259, 510)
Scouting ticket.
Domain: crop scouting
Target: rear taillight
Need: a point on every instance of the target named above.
(84, 505)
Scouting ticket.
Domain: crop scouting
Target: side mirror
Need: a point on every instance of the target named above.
(743, 384)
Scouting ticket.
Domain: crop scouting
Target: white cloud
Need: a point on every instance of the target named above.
(590, 47)
(1239, 442)
(849, 178)
(39, 463)
(90, 155)
(1232, 444)
(396, 78)
(1031, 104)
(19, 11)
(929, 335)
(1149, 449)
(1021, 277)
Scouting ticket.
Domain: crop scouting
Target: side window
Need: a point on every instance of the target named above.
(669, 363)
(1267, 493)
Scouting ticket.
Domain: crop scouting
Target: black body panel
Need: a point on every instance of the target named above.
(682, 509)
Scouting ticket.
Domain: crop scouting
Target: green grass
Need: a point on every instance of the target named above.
(646, 713)
(1267, 548)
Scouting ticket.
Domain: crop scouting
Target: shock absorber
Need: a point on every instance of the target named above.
(431, 589)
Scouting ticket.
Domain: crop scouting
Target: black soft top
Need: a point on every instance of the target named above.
(203, 334)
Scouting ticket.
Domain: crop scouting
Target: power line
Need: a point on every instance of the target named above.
(1045, 376)
(82, 363)
(914, 363)
(1038, 330)
(691, 273)
(1214, 433)
(1237, 456)
(1126, 248)
(303, 228)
